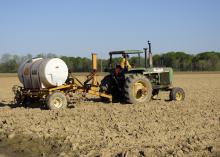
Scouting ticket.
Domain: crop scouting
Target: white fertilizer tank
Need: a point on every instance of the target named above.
(41, 73)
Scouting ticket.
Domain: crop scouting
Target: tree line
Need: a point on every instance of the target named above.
(179, 61)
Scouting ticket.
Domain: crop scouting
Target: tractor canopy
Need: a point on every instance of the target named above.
(125, 52)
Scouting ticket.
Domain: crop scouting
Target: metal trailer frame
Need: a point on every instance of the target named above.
(90, 86)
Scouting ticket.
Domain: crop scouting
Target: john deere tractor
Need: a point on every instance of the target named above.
(136, 84)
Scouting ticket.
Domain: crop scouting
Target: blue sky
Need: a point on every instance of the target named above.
(79, 27)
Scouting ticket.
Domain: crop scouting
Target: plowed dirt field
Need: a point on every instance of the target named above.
(93, 129)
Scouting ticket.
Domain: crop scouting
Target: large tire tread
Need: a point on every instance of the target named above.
(128, 94)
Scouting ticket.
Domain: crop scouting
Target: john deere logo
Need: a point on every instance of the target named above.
(26, 71)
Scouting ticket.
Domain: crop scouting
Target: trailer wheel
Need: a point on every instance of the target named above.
(56, 100)
(177, 94)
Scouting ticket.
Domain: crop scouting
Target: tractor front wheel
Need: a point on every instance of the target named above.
(56, 100)
(138, 89)
(177, 94)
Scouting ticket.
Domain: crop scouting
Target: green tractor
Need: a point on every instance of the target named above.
(136, 84)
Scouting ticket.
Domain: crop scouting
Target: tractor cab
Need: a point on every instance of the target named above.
(136, 61)
(116, 57)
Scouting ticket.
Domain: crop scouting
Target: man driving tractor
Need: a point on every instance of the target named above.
(124, 62)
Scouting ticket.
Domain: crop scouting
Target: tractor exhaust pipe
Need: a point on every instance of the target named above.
(150, 59)
(145, 56)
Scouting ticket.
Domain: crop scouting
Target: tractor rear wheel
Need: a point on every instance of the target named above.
(105, 83)
(137, 89)
(56, 100)
(110, 86)
(104, 87)
(177, 94)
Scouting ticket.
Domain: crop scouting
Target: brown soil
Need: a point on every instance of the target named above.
(158, 128)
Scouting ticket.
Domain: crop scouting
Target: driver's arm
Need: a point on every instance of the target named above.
(128, 65)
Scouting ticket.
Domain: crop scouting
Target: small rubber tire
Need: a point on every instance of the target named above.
(131, 96)
(177, 94)
(56, 100)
